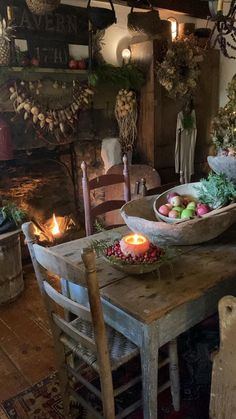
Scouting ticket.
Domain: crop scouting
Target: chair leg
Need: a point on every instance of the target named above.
(63, 376)
(64, 387)
(174, 374)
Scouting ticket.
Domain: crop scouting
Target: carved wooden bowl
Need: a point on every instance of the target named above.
(140, 218)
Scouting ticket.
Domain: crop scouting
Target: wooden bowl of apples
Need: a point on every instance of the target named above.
(197, 226)
(180, 204)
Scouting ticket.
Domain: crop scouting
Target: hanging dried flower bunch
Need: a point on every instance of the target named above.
(223, 127)
(179, 72)
(59, 121)
(126, 115)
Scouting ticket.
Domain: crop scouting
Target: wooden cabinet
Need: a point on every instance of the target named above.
(158, 113)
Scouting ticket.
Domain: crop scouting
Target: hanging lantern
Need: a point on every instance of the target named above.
(6, 149)
(42, 7)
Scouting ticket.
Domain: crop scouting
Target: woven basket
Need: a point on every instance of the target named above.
(100, 17)
(42, 7)
(147, 22)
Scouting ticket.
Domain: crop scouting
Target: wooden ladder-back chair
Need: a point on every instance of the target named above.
(107, 206)
(121, 349)
(141, 188)
(223, 384)
(86, 337)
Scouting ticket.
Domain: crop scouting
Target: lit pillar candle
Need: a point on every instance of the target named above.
(134, 244)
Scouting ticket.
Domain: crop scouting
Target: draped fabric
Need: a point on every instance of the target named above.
(185, 148)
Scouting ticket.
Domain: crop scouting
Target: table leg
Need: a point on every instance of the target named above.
(174, 374)
(149, 362)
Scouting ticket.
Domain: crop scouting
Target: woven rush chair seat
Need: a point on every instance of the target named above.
(121, 350)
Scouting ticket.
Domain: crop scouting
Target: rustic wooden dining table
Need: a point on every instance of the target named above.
(152, 309)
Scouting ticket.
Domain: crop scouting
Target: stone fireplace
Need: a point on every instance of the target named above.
(46, 180)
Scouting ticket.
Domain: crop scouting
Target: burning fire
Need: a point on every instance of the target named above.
(55, 227)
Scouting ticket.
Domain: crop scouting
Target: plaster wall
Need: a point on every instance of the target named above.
(118, 37)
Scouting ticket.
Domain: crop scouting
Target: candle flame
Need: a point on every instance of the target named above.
(55, 227)
(136, 239)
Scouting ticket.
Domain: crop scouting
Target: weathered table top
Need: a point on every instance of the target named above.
(195, 271)
(150, 310)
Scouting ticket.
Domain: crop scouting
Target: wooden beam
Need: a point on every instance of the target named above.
(194, 8)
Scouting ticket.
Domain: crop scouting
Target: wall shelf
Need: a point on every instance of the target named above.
(35, 73)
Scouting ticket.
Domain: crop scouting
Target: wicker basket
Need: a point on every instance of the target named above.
(42, 7)
(148, 22)
(100, 17)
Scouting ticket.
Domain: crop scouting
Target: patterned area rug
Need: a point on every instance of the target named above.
(43, 400)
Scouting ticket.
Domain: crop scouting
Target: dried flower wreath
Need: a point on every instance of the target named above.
(179, 72)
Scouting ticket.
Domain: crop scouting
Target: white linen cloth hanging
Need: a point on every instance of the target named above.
(185, 148)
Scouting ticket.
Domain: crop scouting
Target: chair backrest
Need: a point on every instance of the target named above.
(49, 261)
(141, 189)
(98, 182)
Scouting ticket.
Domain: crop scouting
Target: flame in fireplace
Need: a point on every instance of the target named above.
(55, 226)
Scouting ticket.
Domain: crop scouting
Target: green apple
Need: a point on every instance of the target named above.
(178, 208)
(187, 213)
(191, 205)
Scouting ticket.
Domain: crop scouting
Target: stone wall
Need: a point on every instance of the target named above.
(41, 185)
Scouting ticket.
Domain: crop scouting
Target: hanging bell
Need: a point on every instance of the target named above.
(6, 149)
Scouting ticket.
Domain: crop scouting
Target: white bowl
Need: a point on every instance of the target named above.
(188, 190)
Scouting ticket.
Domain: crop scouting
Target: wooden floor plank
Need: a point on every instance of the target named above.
(11, 380)
(24, 336)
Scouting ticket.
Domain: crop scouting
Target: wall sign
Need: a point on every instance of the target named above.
(50, 54)
(66, 23)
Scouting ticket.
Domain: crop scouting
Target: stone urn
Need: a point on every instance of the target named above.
(223, 164)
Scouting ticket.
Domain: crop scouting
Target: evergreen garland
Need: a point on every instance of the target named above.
(128, 76)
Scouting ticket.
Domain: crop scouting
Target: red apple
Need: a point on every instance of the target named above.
(81, 64)
(185, 202)
(176, 201)
(34, 61)
(203, 209)
(164, 210)
(171, 195)
(72, 64)
(174, 214)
